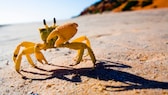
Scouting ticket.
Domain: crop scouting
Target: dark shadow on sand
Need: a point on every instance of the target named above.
(104, 71)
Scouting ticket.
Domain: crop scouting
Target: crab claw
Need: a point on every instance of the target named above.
(52, 35)
(64, 33)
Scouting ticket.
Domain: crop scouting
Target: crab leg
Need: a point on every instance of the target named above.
(29, 48)
(39, 56)
(23, 44)
(30, 60)
(80, 46)
(26, 52)
(80, 55)
(16, 52)
(81, 39)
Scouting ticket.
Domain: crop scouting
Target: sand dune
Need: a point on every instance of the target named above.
(123, 5)
(132, 58)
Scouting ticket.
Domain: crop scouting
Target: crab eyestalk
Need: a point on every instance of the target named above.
(44, 22)
(54, 22)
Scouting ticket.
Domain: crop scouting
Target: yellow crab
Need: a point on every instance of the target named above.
(54, 36)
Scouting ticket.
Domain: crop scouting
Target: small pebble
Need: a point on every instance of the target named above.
(69, 52)
(65, 54)
(49, 85)
(7, 62)
(57, 49)
(32, 93)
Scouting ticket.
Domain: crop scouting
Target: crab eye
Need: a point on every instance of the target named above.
(44, 22)
(54, 21)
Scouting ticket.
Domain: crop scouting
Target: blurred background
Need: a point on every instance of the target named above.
(20, 11)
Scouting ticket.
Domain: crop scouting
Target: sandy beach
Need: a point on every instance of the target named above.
(131, 49)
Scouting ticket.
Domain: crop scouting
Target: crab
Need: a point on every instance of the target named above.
(55, 36)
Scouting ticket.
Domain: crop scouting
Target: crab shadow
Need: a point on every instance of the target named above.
(104, 70)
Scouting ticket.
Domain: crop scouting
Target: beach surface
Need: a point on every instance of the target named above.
(131, 49)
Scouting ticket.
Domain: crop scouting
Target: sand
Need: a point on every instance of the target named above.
(132, 58)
